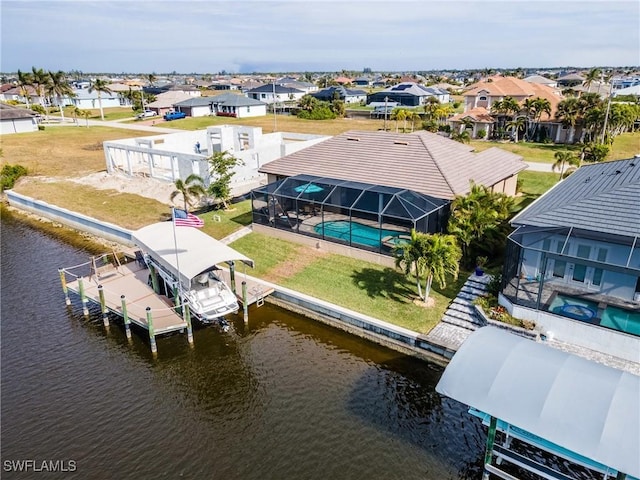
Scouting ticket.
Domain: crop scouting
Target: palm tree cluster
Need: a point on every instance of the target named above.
(515, 118)
(428, 257)
(600, 120)
(50, 87)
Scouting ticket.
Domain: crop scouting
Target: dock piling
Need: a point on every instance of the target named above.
(125, 316)
(103, 307)
(232, 275)
(245, 303)
(152, 336)
(63, 280)
(187, 318)
(83, 297)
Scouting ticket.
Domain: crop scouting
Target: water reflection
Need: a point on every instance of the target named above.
(281, 397)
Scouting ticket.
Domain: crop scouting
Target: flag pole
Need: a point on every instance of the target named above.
(175, 243)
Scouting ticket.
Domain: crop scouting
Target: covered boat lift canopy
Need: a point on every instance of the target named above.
(585, 407)
(193, 251)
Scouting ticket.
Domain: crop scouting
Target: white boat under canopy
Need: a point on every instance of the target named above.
(585, 407)
(195, 254)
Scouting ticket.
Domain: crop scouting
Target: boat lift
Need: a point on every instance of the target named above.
(568, 406)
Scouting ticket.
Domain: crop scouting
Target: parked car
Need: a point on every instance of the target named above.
(174, 115)
(146, 114)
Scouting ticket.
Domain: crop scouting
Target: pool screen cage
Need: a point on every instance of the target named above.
(362, 215)
(542, 262)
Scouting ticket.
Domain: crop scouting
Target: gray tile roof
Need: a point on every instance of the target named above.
(11, 112)
(603, 197)
(420, 161)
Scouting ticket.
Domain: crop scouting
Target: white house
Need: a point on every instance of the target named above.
(271, 93)
(86, 100)
(172, 156)
(17, 120)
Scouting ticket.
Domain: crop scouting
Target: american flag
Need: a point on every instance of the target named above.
(186, 219)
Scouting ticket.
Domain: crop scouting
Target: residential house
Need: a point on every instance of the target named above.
(347, 95)
(409, 94)
(190, 90)
(367, 190)
(365, 81)
(17, 120)
(573, 262)
(237, 106)
(85, 99)
(570, 80)
(274, 93)
(173, 156)
(165, 102)
(480, 98)
(541, 80)
(343, 80)
(17, 94)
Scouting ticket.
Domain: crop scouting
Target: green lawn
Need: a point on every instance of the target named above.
(534, 184)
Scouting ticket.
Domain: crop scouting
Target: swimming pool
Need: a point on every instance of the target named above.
(572, 307)
(620, 319)
(616, 318)
(360, 233)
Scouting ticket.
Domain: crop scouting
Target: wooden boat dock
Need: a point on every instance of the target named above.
(122, 289)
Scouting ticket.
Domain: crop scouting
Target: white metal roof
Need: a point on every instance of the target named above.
(586, 407)
(197, 252)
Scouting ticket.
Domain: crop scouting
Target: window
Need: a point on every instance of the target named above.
(482, 98)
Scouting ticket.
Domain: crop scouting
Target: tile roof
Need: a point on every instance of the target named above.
(515, 87)
(478, 114)
(270, 87)
(602, 197)
(11, 112)
(425, 162)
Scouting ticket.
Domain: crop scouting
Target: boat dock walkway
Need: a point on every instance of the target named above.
(126, 285)
(256, 292)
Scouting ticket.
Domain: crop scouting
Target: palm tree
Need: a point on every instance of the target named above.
(413, 116)
(540, 106)
(565, 158)
(59, 88)
(399, 114)
(191, 189)
(428, 256)
(516, 125)
(100, 86)
(24, 80)
(86, 114)
(39, 79)
(152, 78)
(591, 77)
(569, 113)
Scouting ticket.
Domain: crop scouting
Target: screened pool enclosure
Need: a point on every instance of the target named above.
(369, 217)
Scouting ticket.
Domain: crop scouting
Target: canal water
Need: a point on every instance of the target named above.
(281, 398)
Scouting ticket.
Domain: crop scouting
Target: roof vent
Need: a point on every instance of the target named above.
(400, 142)
(353, 139)
(618, 172)
(632, 164)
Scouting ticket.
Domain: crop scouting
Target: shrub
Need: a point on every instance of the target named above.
(10, 174)
(481, 133)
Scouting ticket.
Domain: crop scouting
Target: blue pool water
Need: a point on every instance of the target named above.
(616, 318)
(573, 307)
(360, 233)
(621, 319)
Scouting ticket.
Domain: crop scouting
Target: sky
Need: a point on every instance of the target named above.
(241, 36)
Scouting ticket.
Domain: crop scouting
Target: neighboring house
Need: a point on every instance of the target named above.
(541, 80)
(360, 193)
(17, 120)
(409, 94)
(481, 96)
(274, 93)
(289, 82)
(570, 80)
(86, 100)
(189, 90)
(573, 263)
(165, 102)
(634, 90)
(343, 80)
(18, 94)
(174, 156)
(347, 95)
(238, 106)
(479, 119)
(363, 82)
(196, 106)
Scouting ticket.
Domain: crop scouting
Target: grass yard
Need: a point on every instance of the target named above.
(283, 123)
(534, 184)
(61, 151)
(364, 287)
(624, 146)
(111, 113)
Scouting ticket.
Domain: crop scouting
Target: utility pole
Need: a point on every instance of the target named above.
(275, 122)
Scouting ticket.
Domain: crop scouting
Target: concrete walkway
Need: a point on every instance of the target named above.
(145, 125)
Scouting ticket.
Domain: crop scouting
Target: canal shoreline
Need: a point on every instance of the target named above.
(377, 331)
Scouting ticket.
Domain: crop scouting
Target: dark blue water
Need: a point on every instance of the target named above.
(281, 398)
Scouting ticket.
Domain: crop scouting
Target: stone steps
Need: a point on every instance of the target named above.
(461, 312)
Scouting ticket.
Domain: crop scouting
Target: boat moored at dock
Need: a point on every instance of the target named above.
(184, 264)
